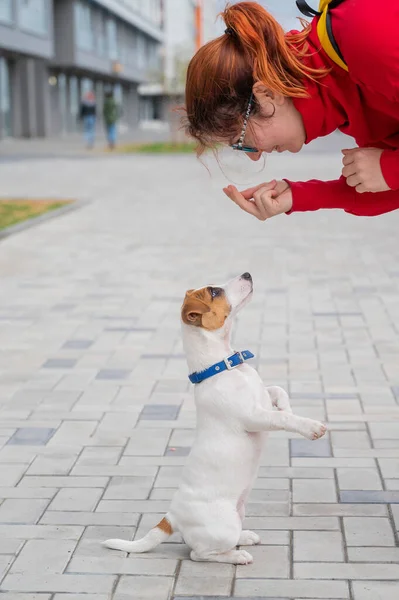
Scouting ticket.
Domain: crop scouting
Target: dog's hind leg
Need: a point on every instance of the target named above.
(216, 533)
(234, 557)
(280, 398)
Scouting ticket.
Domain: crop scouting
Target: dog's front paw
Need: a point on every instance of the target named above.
(248, 538)
(242, 557)
(313, 430)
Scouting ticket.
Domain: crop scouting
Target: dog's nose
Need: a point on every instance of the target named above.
(246, 276)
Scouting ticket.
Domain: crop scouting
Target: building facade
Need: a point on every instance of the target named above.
(53, 51)
(187, 24)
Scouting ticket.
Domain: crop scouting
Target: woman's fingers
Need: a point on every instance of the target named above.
(353, 180)
(349, 170)
(236, 196)
(249, 193)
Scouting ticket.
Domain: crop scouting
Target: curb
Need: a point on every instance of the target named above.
(52, 214)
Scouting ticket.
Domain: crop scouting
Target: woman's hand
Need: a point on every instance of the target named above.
(263, 201)
(362, 170)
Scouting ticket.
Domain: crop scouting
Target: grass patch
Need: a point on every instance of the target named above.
(159, 148)
(16, 211)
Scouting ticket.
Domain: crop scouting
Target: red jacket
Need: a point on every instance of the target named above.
(363, 103)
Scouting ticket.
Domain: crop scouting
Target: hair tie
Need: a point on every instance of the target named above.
(229, 31)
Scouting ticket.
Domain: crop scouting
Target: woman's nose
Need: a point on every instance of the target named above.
(254, 155)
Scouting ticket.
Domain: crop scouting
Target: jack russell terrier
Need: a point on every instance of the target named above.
(234, 412)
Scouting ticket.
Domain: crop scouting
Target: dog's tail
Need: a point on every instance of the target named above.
(154, 537)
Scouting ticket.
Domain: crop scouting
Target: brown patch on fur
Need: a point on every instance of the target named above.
(202, 310)
(165, 526)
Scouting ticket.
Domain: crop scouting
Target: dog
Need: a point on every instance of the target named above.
(234, 412)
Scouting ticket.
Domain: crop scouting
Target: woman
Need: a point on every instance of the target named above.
(88, 115)
(259, 90)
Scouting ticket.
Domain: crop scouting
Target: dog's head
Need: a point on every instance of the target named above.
(213, 306)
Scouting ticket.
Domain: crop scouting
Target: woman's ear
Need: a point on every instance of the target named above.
(265, 96)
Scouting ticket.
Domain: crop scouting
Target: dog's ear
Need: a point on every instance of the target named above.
(192, 310)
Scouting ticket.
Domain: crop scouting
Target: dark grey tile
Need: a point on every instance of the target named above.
(132, 329)
(337, 314)
(113, 374)
(59, 363)
(395, 391)
(62, 307)
(322, 396)
(31, 436)
(162, 356)
(317, 449)
(177, 451)
(366, 289)
(161, 412)
(369, 497)
(78, 344)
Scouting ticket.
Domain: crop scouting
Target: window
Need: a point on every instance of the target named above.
(5, 99)
(112, 39)
(32, 15)
(5, 11)
(84, 26)
(101, 36)
(141, 52)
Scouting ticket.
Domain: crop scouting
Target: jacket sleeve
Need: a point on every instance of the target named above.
(314, 195)
(390, 168)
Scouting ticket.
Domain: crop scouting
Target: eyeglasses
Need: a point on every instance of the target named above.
(239, 145)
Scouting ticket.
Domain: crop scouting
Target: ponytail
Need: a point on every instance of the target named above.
(265, 46)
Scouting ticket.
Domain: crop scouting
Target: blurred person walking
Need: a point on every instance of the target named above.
(88, 114)
(111, 115)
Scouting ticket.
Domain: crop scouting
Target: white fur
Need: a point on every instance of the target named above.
(234, 412)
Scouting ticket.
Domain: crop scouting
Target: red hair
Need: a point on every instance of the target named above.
(221, 74)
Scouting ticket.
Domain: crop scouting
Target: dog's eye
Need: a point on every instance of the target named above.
(214, 291)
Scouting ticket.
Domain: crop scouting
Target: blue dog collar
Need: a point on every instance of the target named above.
(227, 364)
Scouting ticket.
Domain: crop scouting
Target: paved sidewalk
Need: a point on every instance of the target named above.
(97, 415)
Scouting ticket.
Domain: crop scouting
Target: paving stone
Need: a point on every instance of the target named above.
(368, 531)
(89, 518)
(308, 448)
(346, 571)
(35, 436)
(204, 578)
(375, 590)
(370, 496)
(269, 561)
(59, 363)
(143, 588)
(120, 565)
(113, 374)
(77, 344)
(39, 532)
(59, 463)
(339, 510)
(9, 546)
(313, 490)
(359, 479)
(177, 451)
(318, 546)
(290, 588)
(158, 412)
(59, 583)
(373, 554)
(22, 511)
(46, 556)
(147, 442)
(76, 499)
